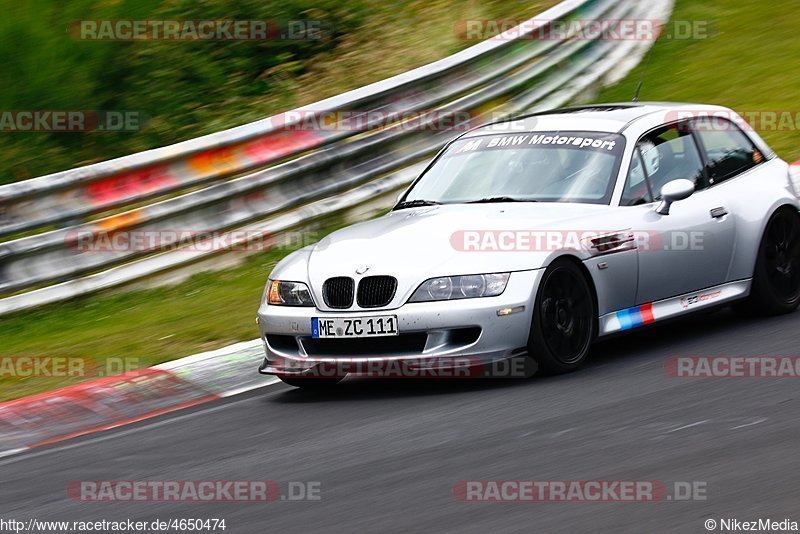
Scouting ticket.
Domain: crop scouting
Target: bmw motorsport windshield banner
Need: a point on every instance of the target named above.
(590, 141)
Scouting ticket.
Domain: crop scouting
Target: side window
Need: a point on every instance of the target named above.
(670, 153)
(728, 150)
(637, 189)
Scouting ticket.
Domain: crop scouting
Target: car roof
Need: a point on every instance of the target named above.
(611, 117)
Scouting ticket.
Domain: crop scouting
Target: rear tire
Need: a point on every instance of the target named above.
(311, 382)
(564, 319)
(776, 278)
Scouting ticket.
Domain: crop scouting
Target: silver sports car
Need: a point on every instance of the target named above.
(527, 239)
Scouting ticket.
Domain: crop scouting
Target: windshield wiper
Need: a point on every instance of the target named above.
(491, 200)
(416, 204)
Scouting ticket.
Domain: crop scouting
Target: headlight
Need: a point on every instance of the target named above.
(461, 287)
(280, 293)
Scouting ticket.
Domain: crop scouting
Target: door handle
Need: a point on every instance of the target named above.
(716, 213)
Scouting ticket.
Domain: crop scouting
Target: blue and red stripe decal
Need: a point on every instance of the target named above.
(636, 316)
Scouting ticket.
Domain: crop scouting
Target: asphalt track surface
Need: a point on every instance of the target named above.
(388, 454)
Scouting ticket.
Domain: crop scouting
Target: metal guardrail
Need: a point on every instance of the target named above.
(269, 175)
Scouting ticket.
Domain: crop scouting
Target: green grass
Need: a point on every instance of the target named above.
(749, 62)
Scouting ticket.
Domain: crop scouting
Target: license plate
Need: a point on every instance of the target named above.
(350, 327)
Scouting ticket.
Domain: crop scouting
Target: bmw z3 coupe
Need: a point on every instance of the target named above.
(530, 238)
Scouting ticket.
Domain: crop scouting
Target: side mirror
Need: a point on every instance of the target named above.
(672, 192)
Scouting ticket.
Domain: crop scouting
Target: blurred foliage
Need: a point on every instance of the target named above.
(189, 89)
(179, 84)
(217, 76)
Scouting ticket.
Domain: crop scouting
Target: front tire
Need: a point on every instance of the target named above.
(564, 319)
(776, 279)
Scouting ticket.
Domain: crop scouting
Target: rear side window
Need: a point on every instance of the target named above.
(728, 150)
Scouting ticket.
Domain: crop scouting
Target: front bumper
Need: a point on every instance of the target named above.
(433, 335)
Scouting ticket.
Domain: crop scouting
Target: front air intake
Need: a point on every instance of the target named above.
(376, 291)
(338, 292)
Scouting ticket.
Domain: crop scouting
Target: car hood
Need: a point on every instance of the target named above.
(420, 243)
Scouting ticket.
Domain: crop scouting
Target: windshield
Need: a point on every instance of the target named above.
(527, 167)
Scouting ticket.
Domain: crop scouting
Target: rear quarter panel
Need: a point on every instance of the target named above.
(752, 198)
